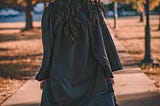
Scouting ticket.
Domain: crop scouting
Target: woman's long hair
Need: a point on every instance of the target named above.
(70, 29)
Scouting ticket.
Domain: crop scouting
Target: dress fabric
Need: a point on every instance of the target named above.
(75, 63)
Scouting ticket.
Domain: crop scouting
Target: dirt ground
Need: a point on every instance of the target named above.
(131, 33)
(20, 56)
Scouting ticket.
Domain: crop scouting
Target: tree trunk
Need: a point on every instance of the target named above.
(29, 14)
(159, 18)
(147, 56)
(115, 14)
(141, 17)
(159, 23)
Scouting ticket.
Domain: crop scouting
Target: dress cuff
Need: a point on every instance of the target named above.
(42, 73)
(108, 72)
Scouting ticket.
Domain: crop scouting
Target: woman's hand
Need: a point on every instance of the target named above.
(112, 80)
(42, 83)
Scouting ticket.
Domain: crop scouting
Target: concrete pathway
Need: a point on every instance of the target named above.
(132, 88)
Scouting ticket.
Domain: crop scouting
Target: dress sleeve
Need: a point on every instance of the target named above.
(98, 48)
(47, 42)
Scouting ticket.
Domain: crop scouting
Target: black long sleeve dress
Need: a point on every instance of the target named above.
(75, 63)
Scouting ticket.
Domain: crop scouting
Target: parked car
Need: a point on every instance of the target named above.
(3, 13)
(38, 8)
(7, 12)
(127, 13)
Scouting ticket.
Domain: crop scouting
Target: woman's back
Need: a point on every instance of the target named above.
(75, 64)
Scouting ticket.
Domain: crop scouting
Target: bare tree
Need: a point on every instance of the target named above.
(29, 14)
(115, 14)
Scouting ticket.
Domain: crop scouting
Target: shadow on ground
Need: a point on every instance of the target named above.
(17, 28)
(26, 104)
(140, 99)
(10, 37)
(24, 67)
(132, 38)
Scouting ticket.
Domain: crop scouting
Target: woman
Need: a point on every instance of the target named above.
(75, 68)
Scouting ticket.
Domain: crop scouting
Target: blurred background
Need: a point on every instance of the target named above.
(21, 46)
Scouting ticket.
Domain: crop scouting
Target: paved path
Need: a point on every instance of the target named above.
(133, 88)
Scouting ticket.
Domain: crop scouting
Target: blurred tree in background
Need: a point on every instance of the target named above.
(159, 16)
(27, 6)
(29, 12)
(136, 4)
(139, 5)
(24, 5)
(154, 4)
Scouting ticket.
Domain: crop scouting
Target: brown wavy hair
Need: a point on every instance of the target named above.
(71, 26)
